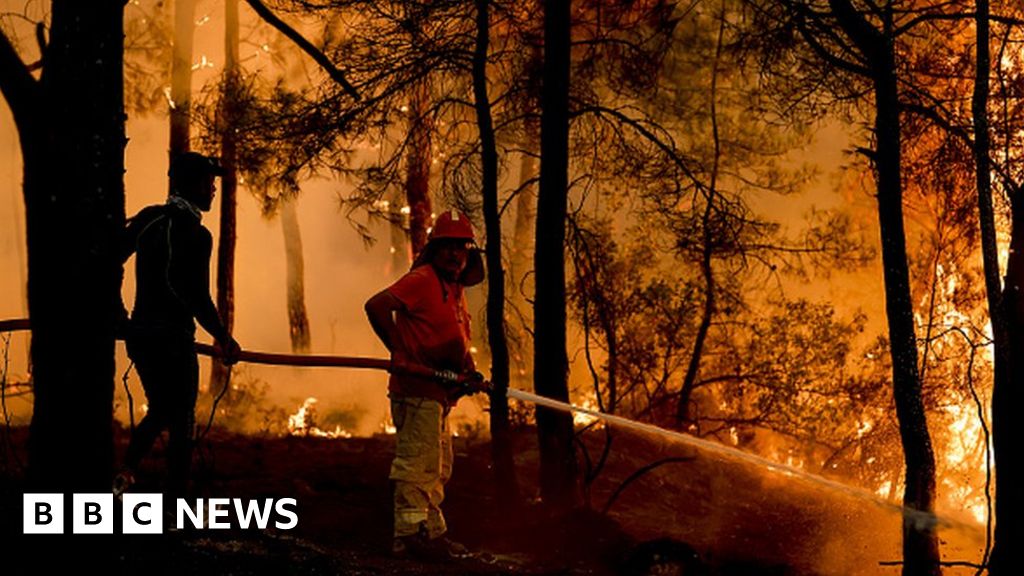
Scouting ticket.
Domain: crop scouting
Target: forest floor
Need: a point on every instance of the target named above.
(738, 520)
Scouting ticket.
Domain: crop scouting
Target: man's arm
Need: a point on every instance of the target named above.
(190, 277)
(380, 311)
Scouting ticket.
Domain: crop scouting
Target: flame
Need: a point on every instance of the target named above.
(581, 419)
(303, 423)
(387, 426)
(961, 455)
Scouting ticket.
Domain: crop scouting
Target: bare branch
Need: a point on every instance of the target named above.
(318, 56)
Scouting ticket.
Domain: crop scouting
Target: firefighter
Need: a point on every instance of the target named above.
(422, 320)
(172, 275)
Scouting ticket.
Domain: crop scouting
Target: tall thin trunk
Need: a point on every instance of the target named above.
(298, 320)
(417, 181)
(229, 188)
(501, 441)
(920, 543)
(685, 414)
(520, 279)
(1008, 501)
(551, 362)
(19, 246)
(684, 411)
(181, 76)
(401, 257)
(526, 202)
(526, 213)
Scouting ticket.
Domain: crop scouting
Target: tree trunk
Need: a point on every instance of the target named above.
(229, 190)
(526, 201)
(1006, 398)
(181, 76)
(298, 321)
(506, 485)
(551, 363)
(71, 127)
(526, 215)
(685, 416)
(520, 279)
(401, 257)
(1007, 508)
(19, 246)
(417, 181)
(920, 543)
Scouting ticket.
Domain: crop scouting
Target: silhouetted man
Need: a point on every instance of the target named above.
(172, 276)
(423, 320)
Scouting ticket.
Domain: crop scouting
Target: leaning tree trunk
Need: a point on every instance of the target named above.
(920, 542)
(229, 190)
(298, 320)
(551, 363)
(417, 179)
(501, 440)
(181, 76)
(71, 127)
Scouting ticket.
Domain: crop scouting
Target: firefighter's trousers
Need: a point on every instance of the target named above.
(422, 464)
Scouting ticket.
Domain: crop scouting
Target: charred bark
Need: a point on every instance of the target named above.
(71, 128)
(298, 320)
(401, 257)
(920, 543)
(1000, 305)
(417, 180)
(1006, 398)
(877, 48)
(551, 362)
(501, 440)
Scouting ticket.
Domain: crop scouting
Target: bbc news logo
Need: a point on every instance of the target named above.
(144, 514)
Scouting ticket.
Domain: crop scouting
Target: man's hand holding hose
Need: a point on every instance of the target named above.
(464, 384)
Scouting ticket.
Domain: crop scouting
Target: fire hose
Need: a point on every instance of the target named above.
(461, 384)
(473, 383)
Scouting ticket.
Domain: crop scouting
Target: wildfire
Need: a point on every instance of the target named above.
(303, 423)
(962, 455)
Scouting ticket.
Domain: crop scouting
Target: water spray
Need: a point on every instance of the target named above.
(921, 520)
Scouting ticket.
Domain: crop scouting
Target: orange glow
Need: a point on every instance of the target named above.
(303, 423)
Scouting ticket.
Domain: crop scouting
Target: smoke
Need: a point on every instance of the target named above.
(341, 274)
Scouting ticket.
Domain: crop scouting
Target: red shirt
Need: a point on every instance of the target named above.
(433, 329)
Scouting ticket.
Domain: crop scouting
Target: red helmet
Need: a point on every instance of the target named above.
(452, 224)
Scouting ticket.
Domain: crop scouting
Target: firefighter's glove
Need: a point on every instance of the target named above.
(459, 385)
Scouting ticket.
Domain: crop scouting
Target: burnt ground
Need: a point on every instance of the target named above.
(740, 521)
